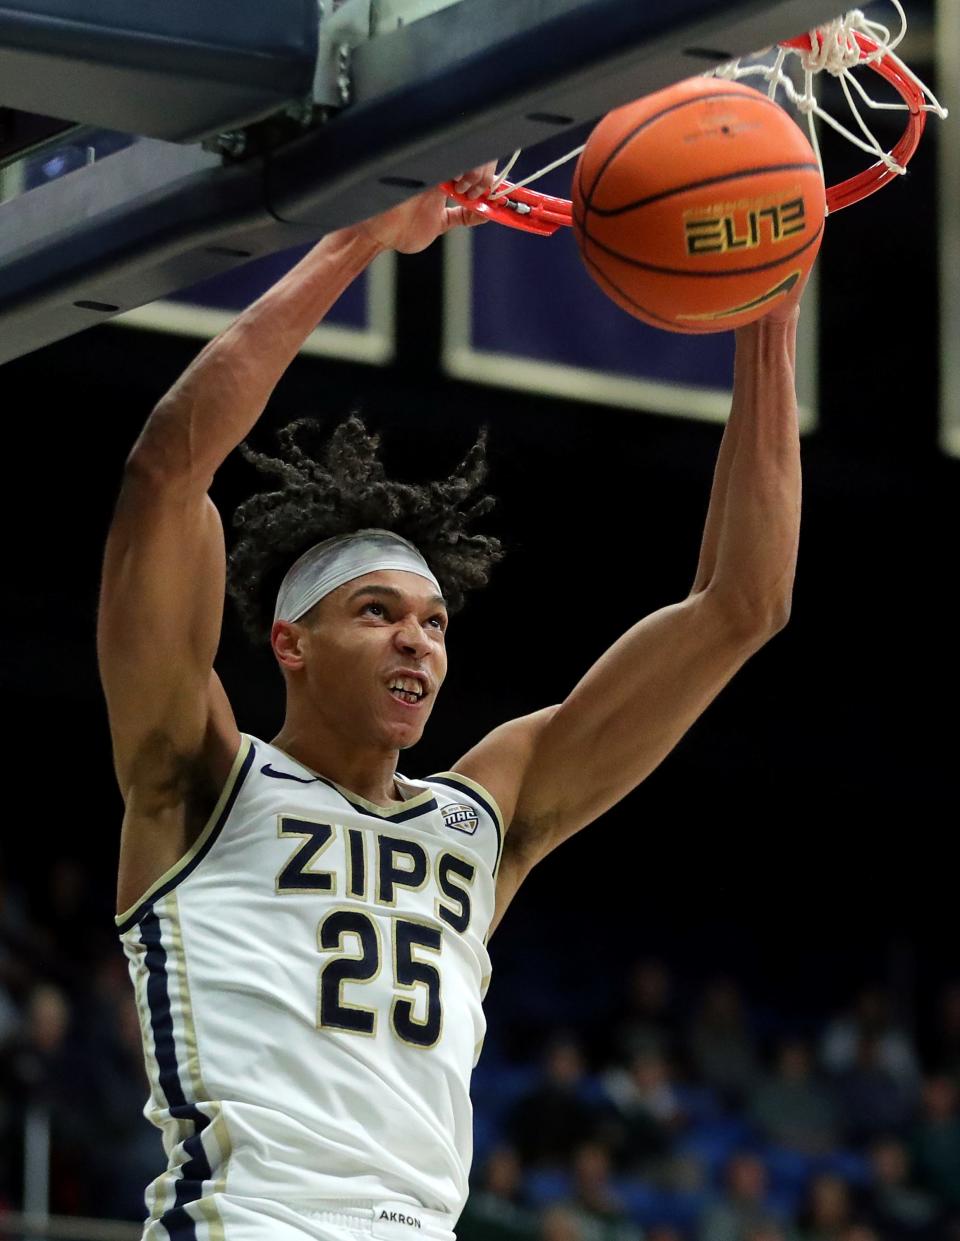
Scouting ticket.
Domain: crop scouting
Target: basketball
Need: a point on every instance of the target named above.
(696, 208)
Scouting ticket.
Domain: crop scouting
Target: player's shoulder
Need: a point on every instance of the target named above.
(498, 764)
(469, 814)
(463, 801)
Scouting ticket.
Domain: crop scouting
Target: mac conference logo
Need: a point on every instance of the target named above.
(461, 818)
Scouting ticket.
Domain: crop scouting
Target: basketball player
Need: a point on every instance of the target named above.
(306, 928)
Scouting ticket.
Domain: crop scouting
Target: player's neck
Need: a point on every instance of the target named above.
(369, 773)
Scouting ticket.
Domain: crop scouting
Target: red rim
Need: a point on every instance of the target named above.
(525, 209)
(871, 179)
(542, 214)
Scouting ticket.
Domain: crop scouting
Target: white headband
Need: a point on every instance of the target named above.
(335, 561)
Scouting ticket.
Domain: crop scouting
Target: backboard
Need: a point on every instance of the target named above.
(278, 165)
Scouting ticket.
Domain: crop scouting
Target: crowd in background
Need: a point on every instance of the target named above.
(672, 1118)
(70, 1050)
(675, 1121)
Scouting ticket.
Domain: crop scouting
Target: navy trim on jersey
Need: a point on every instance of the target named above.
(146, 904)
(195, 1170)
(268, 770)
(360, 804)
(388, 816)
(481, 801)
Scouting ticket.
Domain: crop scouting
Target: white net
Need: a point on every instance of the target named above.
(841, 46)
(500, 186)
(851, 42)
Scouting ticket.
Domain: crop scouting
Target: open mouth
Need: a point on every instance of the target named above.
(407, 690)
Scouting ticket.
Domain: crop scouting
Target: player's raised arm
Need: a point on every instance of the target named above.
(557, 770)
(162, 589)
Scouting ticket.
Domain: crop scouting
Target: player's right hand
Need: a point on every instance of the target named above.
(413, 225)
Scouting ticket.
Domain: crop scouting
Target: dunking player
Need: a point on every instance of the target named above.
(306, 928)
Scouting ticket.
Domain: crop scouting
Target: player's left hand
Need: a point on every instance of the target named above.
(785, 309)
(413, 225)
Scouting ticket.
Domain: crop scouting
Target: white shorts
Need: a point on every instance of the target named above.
(225, 1217)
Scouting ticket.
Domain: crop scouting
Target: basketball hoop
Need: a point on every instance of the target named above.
(848, 43)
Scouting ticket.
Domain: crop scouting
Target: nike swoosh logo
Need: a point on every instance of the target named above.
(285, 775)
(779, 290)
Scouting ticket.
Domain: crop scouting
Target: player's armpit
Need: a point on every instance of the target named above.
(499, 762)
(622, 719)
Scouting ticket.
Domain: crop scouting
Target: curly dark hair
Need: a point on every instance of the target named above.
(345, 488)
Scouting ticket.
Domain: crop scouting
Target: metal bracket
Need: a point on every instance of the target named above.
(160, 216)
(231, 142)
(392, 14)
(342, 28)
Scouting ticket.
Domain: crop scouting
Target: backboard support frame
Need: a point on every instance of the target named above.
(158, 217)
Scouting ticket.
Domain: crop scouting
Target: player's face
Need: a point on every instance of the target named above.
(376, 657)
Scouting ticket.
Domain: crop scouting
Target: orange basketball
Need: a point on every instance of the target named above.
(698, 207)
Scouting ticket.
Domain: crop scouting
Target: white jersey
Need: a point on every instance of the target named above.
(309, 979)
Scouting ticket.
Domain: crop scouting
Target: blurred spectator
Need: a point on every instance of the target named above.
(547, 1124)
(126, 1150)
(664, 1232)
(593, 1192)
(828, 1213)
(15, 932)
(13, 915)
(75, 919)
(935, 1141)
(46, 1071)
(872, 1018)
(599, 1209)
(560, 1223)
(648, 1020)
(646, 1107)
(791, 1108)
(28, 952)
(9, 978)
(743, 1211)
(494, 1209)
(870, 1100)
(945, 1044)
(899, 1210)
(9, 1017)
(768, 1232)
(722, 1048)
